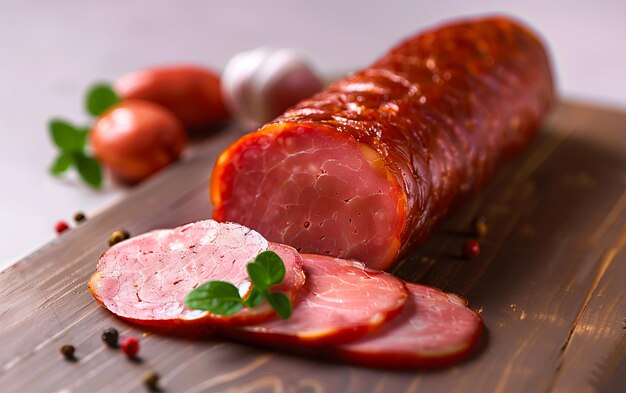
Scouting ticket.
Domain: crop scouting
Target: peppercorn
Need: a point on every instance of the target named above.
(479, 226)
(79, 217)
(118, 236)
(68, 352)
(61, 226)
(471, 249)
(110, 336)
(151, 380)
(130, 346)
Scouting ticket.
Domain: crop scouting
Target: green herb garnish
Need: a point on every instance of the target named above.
(100, 97)
(222, 298)
(218, 297)
(72, 140)
(89, 169)
(67, 137)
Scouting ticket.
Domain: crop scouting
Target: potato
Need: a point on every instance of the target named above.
(192, 93)
(135, 139)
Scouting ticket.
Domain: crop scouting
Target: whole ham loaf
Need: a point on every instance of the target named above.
(367, 168)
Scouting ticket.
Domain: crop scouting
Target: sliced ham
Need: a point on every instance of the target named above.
(434, 329)
(146, 279)
(341, 300)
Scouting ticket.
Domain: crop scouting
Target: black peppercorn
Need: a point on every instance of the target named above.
(68, 352)
(117, 236)
(79, 217)
(151, 381)
(110, 336)
(479, 226)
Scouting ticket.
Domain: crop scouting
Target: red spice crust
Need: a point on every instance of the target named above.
(443, 110)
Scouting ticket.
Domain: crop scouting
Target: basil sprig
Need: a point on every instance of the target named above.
(100, 97)
(71, 140)
(222, 298)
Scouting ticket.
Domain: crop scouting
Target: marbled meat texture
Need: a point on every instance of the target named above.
(341, 300)
(367, 168)
(434, 329)
(145, 279)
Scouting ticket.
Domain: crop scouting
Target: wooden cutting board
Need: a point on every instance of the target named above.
(549, 283)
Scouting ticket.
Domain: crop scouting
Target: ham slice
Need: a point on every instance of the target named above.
(146, 279)
(434, 329)
(344, 309)
(341, 300)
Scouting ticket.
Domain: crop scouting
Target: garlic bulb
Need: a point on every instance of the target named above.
(261, 84)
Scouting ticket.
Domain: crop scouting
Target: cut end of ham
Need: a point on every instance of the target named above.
(146, 279)
(368, 167)
(313, 188)
(340, 301)
(434, 329)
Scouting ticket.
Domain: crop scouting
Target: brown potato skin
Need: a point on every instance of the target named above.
(192, 93)
(135, 139)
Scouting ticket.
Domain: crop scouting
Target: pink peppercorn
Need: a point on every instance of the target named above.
(130, 346)
(471, 249)
(61, 226)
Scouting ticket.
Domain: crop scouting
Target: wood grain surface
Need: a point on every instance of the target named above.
(550, 284)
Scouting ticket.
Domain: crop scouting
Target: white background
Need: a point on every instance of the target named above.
(50, 51)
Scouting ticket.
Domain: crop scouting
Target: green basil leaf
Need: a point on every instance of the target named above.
(255, 298)
(83, 133)
(218, 297)
(274, 266)
(259, 276)
(100, 97)
(281, 304)
(89, 169)
(66, 136)
(61, 164)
